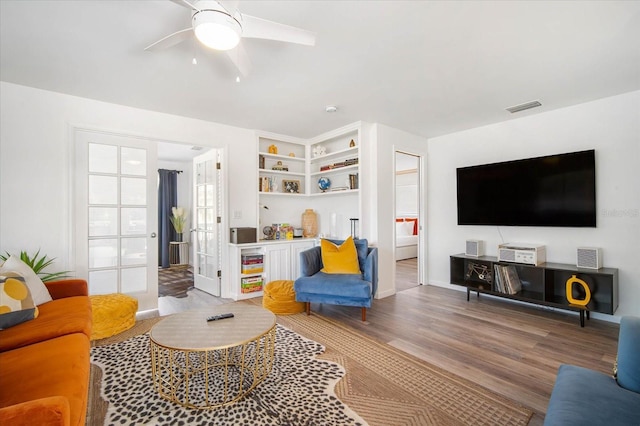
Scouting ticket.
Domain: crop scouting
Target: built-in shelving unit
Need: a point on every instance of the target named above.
(274, 155)
(544, 284)
(339, 162)
(253, 265)
(334, 156)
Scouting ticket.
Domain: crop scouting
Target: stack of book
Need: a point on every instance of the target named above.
(506, 279)
(251, 284)
(252, 263)
(345, 163)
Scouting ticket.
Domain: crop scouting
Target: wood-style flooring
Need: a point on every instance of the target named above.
(512, 349)
(174, 281)
(406, 274)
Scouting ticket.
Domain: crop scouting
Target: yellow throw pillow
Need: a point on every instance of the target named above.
(341, 259)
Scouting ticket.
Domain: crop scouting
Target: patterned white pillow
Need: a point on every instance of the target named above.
(38, 290)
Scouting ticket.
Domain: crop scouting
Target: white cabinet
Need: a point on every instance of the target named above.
(280, 261)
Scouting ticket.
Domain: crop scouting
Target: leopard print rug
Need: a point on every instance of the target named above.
(298, 391)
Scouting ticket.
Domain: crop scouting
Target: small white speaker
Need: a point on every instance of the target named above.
(589, 257)
(475, 248)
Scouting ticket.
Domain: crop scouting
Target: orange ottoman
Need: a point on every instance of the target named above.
(280, 298)
(112, 314)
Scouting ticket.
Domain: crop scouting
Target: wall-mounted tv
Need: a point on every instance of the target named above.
(555, 190)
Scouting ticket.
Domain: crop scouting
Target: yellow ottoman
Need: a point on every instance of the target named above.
(112, 314)
(280, 298)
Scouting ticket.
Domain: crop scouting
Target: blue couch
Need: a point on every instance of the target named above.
(584, 397)
(315, 286)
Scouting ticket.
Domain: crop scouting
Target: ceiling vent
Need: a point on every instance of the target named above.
(522, 107)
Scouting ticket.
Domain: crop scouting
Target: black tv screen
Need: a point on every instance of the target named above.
(555, 190)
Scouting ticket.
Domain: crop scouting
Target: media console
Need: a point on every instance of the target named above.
(544, 284)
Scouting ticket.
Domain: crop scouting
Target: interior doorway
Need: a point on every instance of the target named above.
(408, 222)
(196, 194)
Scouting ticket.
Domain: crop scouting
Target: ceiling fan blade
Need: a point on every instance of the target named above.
(231, 6)
(185, 3)
(240, 59)
(253, 27)
(170, 40)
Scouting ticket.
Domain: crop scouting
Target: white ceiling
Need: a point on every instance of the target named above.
(427, 67)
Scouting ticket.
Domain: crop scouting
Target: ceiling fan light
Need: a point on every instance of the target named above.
(216, 30)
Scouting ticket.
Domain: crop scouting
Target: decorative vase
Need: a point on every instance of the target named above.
(309, 223)
(178, 237)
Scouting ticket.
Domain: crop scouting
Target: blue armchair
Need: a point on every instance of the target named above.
(338, 289)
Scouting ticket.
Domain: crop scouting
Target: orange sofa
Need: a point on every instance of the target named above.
(44, 362)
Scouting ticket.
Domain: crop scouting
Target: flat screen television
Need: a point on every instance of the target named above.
(555, 190)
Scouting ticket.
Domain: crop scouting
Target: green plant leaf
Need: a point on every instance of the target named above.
(38, 264)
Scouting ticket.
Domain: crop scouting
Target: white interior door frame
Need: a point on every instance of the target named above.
(422, 210)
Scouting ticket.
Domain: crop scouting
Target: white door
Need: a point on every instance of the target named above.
(206, 218)
(116, 215)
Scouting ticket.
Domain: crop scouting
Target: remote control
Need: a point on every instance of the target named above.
(219, 317)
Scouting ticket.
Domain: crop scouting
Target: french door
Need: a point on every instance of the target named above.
(207, 205)
(116, 217)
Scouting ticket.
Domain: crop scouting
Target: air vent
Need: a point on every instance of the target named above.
(522, 107)
(196, 148)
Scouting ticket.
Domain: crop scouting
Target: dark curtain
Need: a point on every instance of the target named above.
(167, 198)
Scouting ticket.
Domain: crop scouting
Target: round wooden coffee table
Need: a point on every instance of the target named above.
(206, 365)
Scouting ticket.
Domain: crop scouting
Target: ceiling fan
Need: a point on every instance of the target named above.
(220, 25)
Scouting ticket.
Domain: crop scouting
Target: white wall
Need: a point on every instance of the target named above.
(35, 148)
(611, 126)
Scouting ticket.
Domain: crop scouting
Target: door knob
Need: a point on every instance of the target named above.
(153, 235)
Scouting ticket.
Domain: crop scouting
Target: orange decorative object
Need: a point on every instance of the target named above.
(280, 298)
(273, 149)
(112, 314)
(569, 291)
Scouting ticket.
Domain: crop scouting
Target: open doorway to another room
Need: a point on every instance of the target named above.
(407, 208)
(175, 173)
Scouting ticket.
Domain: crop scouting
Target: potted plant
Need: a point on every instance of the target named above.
(178, 220)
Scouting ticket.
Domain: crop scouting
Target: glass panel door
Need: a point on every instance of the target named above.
(116, 210)
(207, 202)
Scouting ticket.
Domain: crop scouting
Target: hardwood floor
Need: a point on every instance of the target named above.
(174, 281)
(512, 349)
(406, 274)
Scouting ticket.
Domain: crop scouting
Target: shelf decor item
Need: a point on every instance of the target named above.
(291, 186)
(324, 183)
(273, 149)
(280, 167)
(319, 151)
(309, 223)
(352, 143)
(587, 292)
